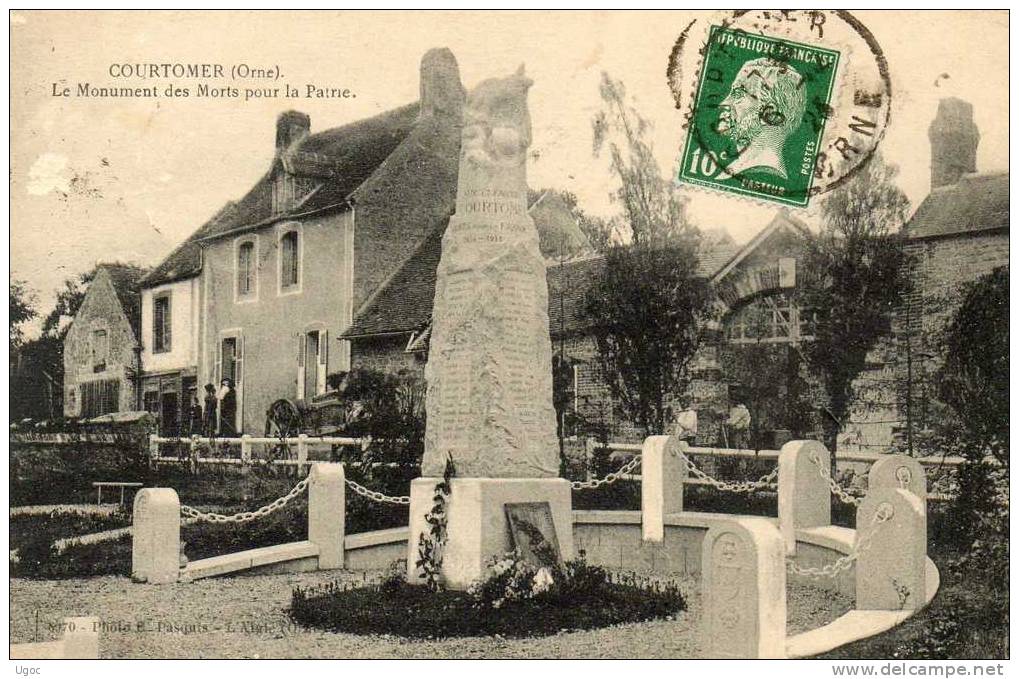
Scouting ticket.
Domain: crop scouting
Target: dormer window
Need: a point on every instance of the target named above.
(290, 261)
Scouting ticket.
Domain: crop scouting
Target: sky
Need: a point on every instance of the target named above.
(128, 179)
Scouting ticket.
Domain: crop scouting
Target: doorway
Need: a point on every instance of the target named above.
(311, 366)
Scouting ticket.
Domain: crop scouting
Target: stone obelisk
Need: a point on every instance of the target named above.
(489, 372)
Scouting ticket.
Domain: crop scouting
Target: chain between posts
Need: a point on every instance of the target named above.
(767, 481)
(609, 478)
(843, 563)
(832, 483)
(244, 517)
(377, 496)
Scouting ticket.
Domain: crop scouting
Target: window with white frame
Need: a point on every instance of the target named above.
(161, 336)
(772, 318)
(290, 261)
(246, 269)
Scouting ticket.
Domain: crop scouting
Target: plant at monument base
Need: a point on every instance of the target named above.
(855, 276)
(545, 601)
(512, 578)
(430, 544)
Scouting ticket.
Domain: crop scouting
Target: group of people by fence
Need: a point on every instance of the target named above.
(217, 415)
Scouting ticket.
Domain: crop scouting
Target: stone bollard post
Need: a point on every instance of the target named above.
(245, 450)
(891, 567)
(663, 472)
(743, 595)
(302, 453)
(193, 454)
(155, 542)
(153, 450)
(81, 639)
(326, 513)
(899, 471)
(804, 496)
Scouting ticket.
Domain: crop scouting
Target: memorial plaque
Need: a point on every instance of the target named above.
(489, 371)
(533, 532)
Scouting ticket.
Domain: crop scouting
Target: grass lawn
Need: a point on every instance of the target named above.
(26, 529)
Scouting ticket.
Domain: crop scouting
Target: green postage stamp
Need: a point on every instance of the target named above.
(759, 115)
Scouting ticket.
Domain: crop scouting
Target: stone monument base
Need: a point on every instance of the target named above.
(477, 528)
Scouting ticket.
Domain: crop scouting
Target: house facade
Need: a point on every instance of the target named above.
(262, 292)
(102, 346)
(171, 304)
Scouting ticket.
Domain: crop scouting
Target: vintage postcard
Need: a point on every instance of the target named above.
(510, 335)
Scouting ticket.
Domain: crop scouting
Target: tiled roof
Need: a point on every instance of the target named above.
(126, 280)
(336, 162)
(977, 202)
(404, 303)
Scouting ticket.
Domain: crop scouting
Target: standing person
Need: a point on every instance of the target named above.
(739, 425)
(209, 421)
(227, 408)
(194, 414)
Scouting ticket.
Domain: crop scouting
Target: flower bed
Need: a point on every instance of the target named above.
(532, 601)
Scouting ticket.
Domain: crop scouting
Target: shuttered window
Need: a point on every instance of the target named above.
(289, 260)
(161, 324)
(246, 269)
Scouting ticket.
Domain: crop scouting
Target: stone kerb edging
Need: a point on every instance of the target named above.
(832, 540)
(855, 624)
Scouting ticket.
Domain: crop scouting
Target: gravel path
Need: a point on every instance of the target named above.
(244, 617)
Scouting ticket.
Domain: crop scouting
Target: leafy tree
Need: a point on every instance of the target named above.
(652, 209)
(69, 299)
(646, 312)
(646, 308)
(974, 377)
(22, 310)
(856, 276)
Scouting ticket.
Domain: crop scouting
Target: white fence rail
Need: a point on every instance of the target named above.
(195, 445)
(947, 461)
(870, 458)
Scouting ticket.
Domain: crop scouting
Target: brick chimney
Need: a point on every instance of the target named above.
(954, 138)
(441, 90)
(291, 126)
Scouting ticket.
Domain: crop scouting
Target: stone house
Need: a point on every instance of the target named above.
(957, 234)
(261, 293)
(102, 345)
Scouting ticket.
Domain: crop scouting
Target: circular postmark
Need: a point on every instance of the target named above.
(778, 106)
